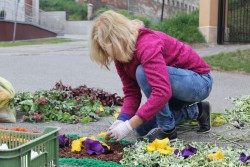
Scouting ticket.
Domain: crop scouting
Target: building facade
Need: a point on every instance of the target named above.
(21, 10)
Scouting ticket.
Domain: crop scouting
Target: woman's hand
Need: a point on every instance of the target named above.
(117, 122)
(120, 131)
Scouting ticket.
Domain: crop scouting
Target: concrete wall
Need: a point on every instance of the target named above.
(56, 21)
(53, 21)
(77, 27)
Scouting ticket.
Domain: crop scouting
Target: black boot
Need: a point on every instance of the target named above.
(158, 133)
(203, 119)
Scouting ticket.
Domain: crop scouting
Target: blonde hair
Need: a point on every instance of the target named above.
(113, 37)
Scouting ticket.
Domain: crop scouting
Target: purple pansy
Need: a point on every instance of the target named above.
(186, 152)
(94, 147)
(176, 152)
(244, 158)
(63, 141)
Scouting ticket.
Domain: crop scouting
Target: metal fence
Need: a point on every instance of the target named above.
(234, 21)
(153, 8)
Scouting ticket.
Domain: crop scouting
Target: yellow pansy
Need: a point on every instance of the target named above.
(77, 144)
(218, 121)
(105, 144)
(218, 155)
(101, 108)
(167, 150)
(102, 134)
(93, 138)
(160, 146)
(116, 114)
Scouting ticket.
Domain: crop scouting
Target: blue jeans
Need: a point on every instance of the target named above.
(188, 88)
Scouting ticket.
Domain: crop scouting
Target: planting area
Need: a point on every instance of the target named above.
(81, 106)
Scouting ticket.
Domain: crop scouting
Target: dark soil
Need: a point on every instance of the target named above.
(115, 155)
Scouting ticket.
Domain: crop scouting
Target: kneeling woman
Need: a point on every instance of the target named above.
(173, 77)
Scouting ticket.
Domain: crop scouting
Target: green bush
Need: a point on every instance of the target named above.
(75, 11)
(182, 26)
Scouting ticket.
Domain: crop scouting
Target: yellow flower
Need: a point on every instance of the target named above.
(101, 108)
(93, 138)
(218, 155)
(160, 146)
(116, 114)
(77, 144)
(105, 144)
(218, 121)
(102, 134)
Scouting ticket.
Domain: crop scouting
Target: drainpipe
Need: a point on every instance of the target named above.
(14, 31)
(128, 5)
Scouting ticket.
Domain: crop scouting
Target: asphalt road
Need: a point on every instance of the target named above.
(35, 67)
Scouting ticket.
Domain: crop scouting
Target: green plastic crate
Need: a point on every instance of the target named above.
(21, 144)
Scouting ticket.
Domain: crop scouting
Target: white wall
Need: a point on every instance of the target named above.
(10, 8)
(54, 21)
(77, 27)
(35, 10)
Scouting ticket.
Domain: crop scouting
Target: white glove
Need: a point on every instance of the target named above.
(120, 131)
(117, 122)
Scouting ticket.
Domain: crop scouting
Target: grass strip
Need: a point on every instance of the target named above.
(35, 42)
(238, 61)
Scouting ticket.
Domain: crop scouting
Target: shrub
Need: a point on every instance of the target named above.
(75, 11)
(182, 26)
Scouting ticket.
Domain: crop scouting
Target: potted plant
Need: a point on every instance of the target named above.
(2, 14)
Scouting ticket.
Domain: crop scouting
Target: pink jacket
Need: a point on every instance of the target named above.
(154, 51)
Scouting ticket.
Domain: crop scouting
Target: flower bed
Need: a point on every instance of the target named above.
(76, 150)
(66, 104)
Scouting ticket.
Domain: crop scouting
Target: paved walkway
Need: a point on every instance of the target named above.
(31, 68)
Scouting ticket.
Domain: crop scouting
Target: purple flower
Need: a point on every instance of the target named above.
(63, 141)
(107, 151)
(94, 147)
(176, 152)
(243, 158)
(188, 151)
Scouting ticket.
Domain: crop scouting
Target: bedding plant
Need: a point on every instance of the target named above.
(161, 153)
(66, 104)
